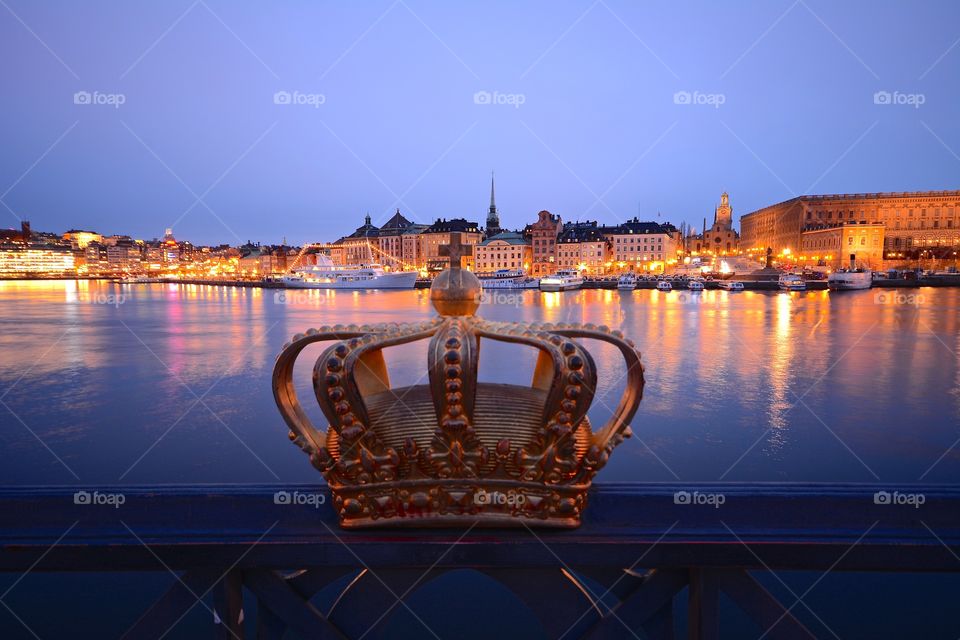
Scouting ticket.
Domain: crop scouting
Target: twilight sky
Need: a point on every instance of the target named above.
(593, 110)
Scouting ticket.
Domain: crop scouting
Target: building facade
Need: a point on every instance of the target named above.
(390, 243)
(358, 247)
(584, 246)
(438, 235)
(912, 220)
(833, 246)
(506, 250)
(544, 234)
(719, 239)
(642, 246)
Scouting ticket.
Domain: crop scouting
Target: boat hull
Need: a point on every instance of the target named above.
(849, 281)
(560, 287)
(400, 280)
(509, 284)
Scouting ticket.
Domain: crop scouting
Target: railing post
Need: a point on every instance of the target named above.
(228, 603)
(703, 613)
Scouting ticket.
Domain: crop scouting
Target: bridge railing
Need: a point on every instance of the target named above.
(640, 547)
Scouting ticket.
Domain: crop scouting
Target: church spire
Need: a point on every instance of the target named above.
(493, 204)
(493, 218)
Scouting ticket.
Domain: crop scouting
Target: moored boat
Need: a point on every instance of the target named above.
(563, 280)
(792, 282)
(664, 285)
(326, 275)
(627, 281)
(730, 285)
(849, 280)
(508, 279)
(695, 284)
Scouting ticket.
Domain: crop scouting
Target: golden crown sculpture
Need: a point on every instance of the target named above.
(456, 450)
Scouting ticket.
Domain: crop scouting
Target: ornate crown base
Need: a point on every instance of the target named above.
(444, 503)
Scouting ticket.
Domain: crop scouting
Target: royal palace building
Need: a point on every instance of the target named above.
(910, 220)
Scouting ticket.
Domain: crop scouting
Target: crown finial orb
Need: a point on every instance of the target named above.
(455, 291)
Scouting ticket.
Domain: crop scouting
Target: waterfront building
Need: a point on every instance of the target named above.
(411, 246)
(720, 239)
(390, 243)
(360, 247)
(438, 235)
(24, 234)
(493, 216)
(506, 250)
(913, 221)
(584, 246)
(35, 260)
(642, 246)
(544, 234)
(832, 246)
(80, 238)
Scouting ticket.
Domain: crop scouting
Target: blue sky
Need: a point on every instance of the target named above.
(593, 110)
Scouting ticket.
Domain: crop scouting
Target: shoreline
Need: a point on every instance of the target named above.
(749, 284)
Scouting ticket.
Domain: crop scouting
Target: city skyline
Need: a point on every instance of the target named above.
(222, 124)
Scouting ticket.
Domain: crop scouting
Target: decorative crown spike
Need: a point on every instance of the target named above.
(456, 450)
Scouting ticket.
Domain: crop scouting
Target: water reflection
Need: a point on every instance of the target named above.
(101, 371)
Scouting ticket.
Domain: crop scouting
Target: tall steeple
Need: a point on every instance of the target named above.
(493, 218)
(723, 216)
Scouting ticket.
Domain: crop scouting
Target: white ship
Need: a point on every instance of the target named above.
(664, 285)
(563, 280)
(730, 285)
(852, 278)
(844, 280)
(792, 282)
(508, 279)
(695, 284)
(627, 281)
(326, 275)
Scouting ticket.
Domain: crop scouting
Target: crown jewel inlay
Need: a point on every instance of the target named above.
(456, 449)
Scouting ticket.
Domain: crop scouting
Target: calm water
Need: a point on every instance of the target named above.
(168, 383)
(102, 382)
